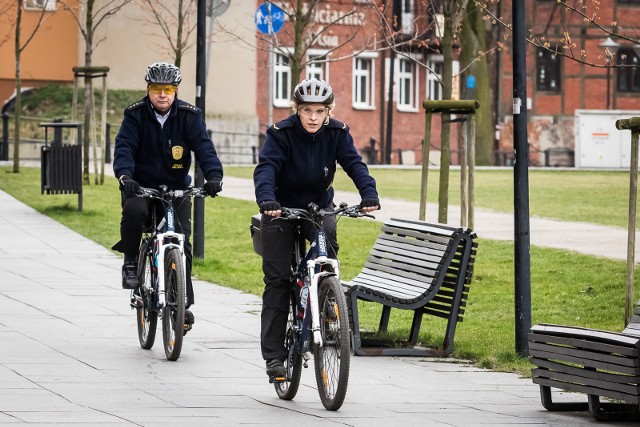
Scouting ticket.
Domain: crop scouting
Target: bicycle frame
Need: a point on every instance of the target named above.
(313, 265)
(164, 237)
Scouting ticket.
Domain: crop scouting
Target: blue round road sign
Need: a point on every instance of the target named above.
(269, 18)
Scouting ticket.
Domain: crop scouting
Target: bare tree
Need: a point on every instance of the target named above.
(176, 21)
(89, 16)
(19, 48)
(578, 16)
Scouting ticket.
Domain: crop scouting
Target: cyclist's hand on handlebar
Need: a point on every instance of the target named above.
(271, 208)
(212, 188)
(128, 186)
(369, 205)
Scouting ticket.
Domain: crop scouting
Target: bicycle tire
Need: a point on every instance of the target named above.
(332, 359)
(173, 316)
(146, 315)
(288, 389)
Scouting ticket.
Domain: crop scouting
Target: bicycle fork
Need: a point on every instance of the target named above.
(314, 283)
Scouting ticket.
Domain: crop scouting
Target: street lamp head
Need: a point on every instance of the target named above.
(610, 47)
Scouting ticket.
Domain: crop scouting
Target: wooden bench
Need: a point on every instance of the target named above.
(597, 363)
(415, 266)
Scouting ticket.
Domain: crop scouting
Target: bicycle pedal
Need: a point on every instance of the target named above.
(278, 379)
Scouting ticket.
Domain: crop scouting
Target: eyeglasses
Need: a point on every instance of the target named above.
(306, 111)
(157, 89)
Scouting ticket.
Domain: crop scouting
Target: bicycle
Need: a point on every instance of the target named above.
(162, 275)
(318, 318)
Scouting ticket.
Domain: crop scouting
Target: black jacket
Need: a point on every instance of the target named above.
(157, 155)
(296, 167)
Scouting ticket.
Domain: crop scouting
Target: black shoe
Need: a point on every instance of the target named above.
(276, 370)
(129, 276)
(189, 320)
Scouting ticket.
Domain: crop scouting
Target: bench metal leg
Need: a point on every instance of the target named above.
(384, 318)
(357, 341)
(613, 411)
(549, 405)
(415, 327)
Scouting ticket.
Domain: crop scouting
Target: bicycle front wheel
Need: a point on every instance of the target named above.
(173, 316)
(332, 359)
(145, 303)
(287, 390)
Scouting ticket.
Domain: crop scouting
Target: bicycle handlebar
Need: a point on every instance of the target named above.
(314, 212)
(165, 194)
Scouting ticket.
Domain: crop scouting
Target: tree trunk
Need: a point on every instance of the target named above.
(18, 102)
(473, 40)
(88, 90)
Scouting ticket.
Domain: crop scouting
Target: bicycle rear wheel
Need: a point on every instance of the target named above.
(288, 389)
(145, 302)
(173, 316)
(333, 358)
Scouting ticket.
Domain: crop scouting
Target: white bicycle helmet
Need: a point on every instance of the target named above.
(313, 91)
(163, 73)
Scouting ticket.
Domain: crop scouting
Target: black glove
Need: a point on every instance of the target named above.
(370, 203)
(213, 187)
(128, 186)
(270, 205)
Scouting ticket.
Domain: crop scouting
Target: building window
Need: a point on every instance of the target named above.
(317, 65)
(281, 81)
(547, 70)
(629, 74)
(407, 82)
(434, 77)
(407, 16)
(363, 80)
(629, 2)
(39, 4)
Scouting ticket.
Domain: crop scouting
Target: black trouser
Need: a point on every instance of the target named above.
(136, 215)
(277, 248)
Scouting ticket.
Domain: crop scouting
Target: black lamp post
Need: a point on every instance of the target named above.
(610, 47)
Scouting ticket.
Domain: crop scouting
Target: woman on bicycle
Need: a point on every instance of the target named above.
(296, 167)
(153, 148)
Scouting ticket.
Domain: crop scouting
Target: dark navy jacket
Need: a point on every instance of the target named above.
(157, 155)
(297, 167)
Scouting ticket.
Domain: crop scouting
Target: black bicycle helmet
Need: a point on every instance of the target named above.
(313, 91)
(163, 73)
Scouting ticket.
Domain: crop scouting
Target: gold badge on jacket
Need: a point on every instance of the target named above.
(176, 152)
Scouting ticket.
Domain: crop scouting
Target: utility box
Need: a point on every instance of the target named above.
(598, 143)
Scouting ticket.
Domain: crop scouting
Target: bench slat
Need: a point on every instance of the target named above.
(584, 374)
(587, 390)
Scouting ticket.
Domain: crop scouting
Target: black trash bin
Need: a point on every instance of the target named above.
(61, 164)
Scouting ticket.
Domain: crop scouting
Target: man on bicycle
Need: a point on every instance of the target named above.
(153, 148)
(296, 167)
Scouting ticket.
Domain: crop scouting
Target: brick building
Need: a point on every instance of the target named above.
(558, 86)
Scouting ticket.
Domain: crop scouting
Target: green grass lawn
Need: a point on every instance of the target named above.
(582, 196)
(566, 288)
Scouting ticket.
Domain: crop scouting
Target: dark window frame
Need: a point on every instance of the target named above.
(628, 75)
(548, 70)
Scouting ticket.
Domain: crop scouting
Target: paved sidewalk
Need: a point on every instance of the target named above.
(69, 354)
